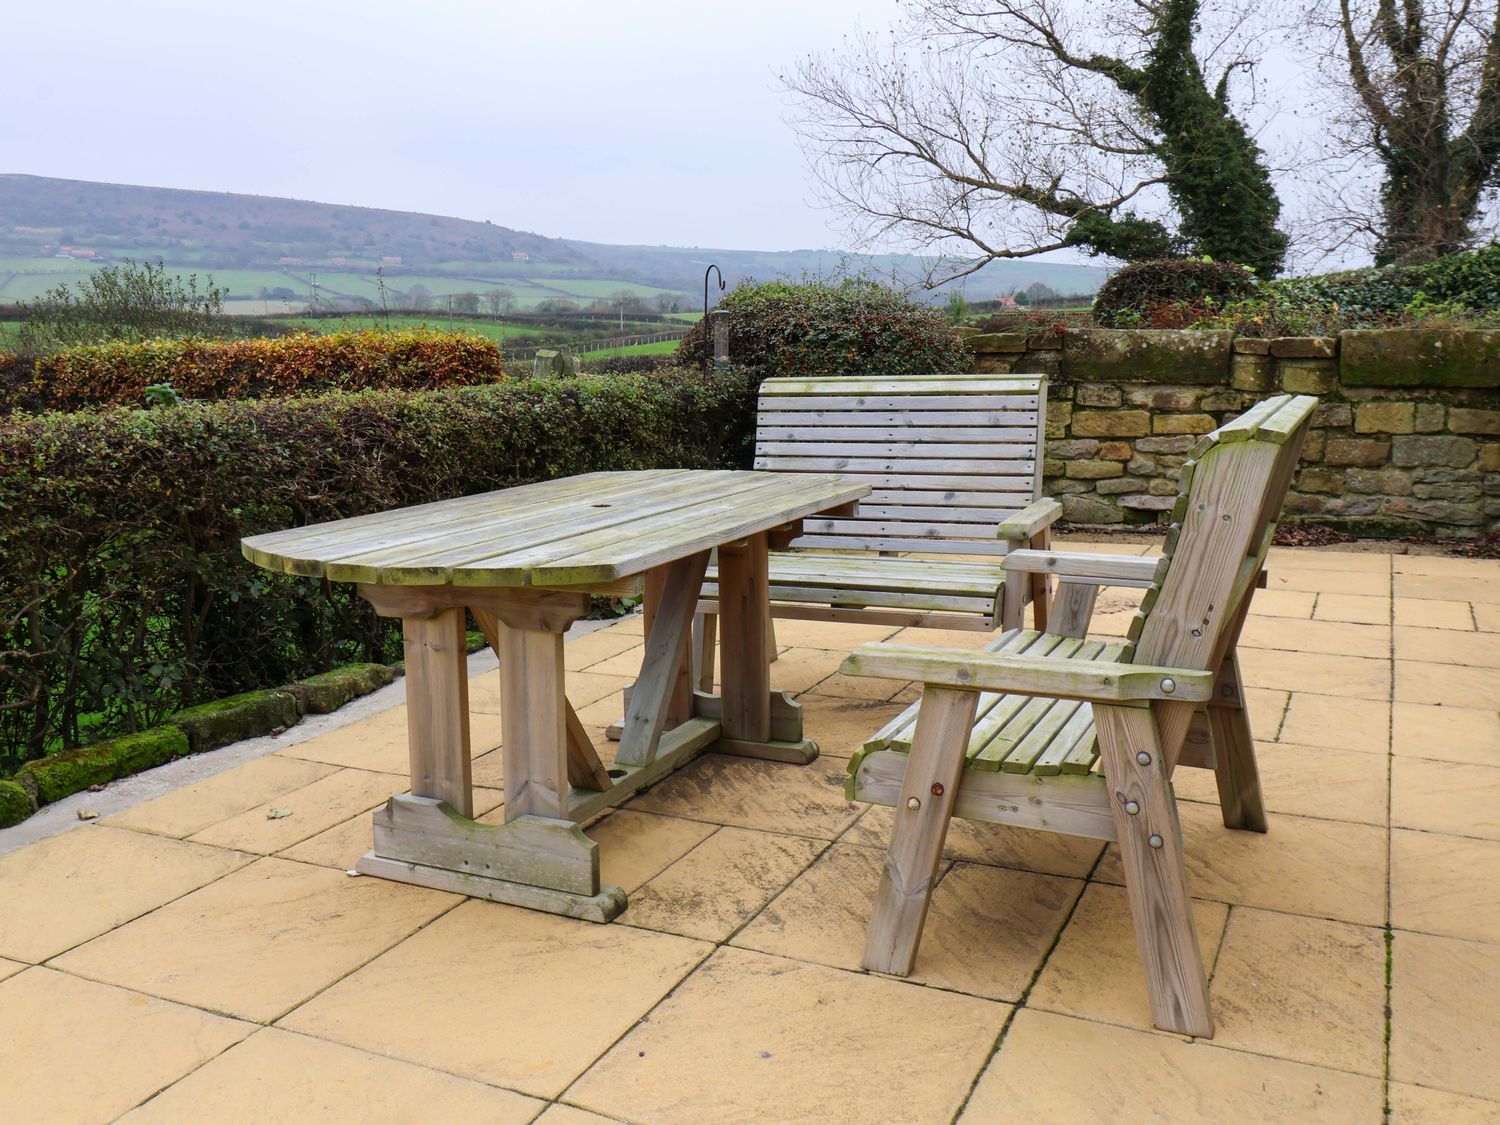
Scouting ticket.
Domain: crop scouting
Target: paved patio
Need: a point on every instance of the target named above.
(196, 959)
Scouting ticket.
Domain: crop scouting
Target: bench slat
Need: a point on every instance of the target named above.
(897, 420)
(906, 384)
(900, 403)
(790, 565)
(1024, 430)
(990, 518)
(904, 529)
(900, 450)
(1011, 469)
(950, 497)
(842, 597)
(933, 546)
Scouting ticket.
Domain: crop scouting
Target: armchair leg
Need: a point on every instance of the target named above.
(928, 791)
(1235, 770)
(1151, 850)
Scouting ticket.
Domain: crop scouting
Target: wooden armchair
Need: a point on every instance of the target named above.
(1051, 731)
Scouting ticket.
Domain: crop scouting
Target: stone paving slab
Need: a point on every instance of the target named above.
(193, 958)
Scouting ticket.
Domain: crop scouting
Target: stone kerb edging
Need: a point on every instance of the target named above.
(193, 731)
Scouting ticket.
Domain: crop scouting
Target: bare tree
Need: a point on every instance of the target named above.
(500, 301)
(1009, 128)
(1423, 107)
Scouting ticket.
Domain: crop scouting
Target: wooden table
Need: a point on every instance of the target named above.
(524, 561)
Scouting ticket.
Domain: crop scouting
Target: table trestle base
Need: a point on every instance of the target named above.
(605, 906)
(800, 752)
(677, 748)
(530, 861)
(786, 714)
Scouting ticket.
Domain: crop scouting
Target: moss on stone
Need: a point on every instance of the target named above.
(1100, 355)
(329, 691)
(72, 771)
(15, 803)
(1003, 342)
(238, 717)
(1419, 357)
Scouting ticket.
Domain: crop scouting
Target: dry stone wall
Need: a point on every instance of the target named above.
(1406, 440)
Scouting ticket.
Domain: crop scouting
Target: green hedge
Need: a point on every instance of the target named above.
(126, 597)
(1169, 294)
(852, 328)
(119, 373)
(1460, 283)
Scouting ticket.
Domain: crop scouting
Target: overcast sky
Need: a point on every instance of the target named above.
(652, 122)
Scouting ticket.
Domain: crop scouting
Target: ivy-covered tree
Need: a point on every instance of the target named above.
(1015, 127)
(1425, 112)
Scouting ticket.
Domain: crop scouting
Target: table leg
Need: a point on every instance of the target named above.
(437, 708)
(680, 698)
(745, 657)
(539, 858)
(533, 721)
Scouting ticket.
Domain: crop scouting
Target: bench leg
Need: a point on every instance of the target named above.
(1041, 589)
(705, 626)
(1150, 845)
(928, 791)
(1235, 770)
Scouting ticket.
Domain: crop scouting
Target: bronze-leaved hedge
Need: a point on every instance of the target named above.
(119, 373)
(125, 596)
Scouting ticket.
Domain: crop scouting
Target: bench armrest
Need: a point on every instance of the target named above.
(1094, 681)
(1031, 520)
(1087, 569)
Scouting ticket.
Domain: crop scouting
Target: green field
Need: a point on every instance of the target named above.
(26, 279)
(326, 324)
(664, 347)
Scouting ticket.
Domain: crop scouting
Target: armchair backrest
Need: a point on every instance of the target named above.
(1229, 497)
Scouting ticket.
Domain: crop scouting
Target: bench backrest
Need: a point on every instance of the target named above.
(1229, 497)
(947, 457)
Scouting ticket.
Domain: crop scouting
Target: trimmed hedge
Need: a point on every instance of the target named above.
(127, 598)
(1171, 293)
(119, 373)
(853, 328)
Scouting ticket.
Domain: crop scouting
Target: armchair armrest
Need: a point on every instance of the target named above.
(1030, 520)
(1087, 569)
(1093, 681)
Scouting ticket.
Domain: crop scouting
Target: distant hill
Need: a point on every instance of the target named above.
(244, 230)
(257, 247)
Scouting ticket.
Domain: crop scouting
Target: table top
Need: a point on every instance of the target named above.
(594, 528)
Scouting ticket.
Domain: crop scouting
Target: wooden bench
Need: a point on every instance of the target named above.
(1052, 731)
(954, 463)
